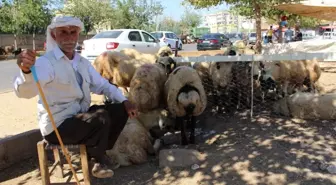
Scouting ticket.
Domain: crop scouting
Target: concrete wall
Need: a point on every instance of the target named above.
(19, 147)
(26, 41)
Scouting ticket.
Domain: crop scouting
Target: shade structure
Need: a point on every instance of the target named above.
(309, 9)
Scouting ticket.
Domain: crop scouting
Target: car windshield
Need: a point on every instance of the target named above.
(253, 34)
(107, 34)
(211, 36)
(157, 35)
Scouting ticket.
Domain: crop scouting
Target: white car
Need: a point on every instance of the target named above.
(118, 39)
(252, 38)
(168, 38)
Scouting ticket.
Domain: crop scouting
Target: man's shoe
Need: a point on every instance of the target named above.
(101, 171)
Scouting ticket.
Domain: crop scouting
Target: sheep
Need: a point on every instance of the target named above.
(291, 74)
(307, 106)
(165, 51)
(186, 98)
(146, 87)
(203, 70)
(117, 67)
(2, 51)
(143, 57)
(9, 49)
(135, 141)
(17, 52)
(241, 80)
(221, 76)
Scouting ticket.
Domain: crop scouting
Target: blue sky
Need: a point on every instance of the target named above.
(174, 9)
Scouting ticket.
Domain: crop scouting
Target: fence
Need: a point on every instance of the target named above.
(235, 83)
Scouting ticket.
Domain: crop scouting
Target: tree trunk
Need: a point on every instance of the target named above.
(15, 43)
(258, 26)
(34, 48)
(280, 30)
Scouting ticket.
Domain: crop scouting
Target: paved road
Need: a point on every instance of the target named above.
(189, 47)
(8, 70)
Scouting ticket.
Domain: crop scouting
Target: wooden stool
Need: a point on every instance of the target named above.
(43, 145)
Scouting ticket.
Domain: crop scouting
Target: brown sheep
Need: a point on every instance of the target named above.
(290, 75)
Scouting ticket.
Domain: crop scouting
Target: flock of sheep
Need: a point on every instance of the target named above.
(170, 95)
(7, 50)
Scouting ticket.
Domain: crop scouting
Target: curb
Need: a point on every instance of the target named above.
(18, 147)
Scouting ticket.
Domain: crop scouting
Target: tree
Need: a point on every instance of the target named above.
(190, 19)
(169, 24)
(137, 14)
(250, 8)
(91, 12)
(24, 16)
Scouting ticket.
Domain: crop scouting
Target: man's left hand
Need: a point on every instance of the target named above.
(131, 109)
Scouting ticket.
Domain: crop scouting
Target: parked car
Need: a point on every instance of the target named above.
(78, 48)
(252, 38)
(235, 37)
(168, 38)
(118, 39)
(213, 41)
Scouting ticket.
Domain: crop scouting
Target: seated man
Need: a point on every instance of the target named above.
(67, 80)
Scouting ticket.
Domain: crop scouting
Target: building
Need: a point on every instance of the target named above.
(224, 22)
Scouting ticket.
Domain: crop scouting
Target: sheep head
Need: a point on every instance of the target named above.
(165, 51)
(187, 98)
(167, 63)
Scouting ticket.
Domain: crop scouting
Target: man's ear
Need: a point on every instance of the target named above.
(52, 33)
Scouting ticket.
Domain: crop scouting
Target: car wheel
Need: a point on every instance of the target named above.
(180, 47)
(169, 46)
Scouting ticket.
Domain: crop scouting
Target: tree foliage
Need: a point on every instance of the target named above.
(139, 14)
(90, 12)
(190, 19)
(24, 16)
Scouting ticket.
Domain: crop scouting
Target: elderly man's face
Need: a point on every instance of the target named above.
(66, 37)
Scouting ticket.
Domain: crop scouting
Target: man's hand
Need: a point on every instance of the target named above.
(131, 109)
(26, 59)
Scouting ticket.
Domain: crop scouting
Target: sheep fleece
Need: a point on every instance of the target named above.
(132, 145)
(177, 79)
(146, 87)
(307, 106)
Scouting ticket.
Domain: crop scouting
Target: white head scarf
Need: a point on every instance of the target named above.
(60, 21)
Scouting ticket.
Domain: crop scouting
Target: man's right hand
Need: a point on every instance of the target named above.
(26, 59)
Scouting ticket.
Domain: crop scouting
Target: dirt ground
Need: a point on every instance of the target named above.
(265, 150)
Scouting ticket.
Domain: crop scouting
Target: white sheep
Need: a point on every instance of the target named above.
(135, 140)
(186, 98)
(307, 106)
(146, 88)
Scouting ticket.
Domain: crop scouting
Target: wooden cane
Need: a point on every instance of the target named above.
(53, 122)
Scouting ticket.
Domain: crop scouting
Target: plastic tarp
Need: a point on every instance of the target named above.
(309, 46)
(326, 11)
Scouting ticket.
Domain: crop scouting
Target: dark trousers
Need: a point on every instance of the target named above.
(98, 129)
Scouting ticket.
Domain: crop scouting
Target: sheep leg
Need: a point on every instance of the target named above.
(181, 122)
(285, 89)
(192, 132)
